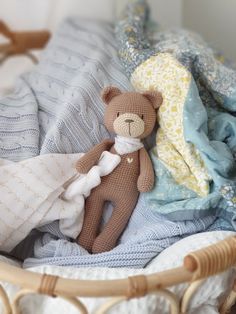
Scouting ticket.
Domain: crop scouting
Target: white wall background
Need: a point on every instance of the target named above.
(41, 13)
(167, 12)
(214, 19)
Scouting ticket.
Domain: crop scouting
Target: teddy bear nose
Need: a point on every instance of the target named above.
(129, 120)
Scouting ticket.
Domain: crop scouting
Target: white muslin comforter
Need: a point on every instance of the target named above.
(40, 190)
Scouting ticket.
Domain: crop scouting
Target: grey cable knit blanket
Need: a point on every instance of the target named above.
(57, 108)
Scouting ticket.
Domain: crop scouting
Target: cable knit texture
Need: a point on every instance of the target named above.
(57, 108)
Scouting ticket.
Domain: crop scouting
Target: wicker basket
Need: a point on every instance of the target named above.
(198, 266)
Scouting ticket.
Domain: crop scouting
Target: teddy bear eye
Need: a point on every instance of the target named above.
(117, 114)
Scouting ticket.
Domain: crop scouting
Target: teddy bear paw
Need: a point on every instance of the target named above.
(144, 186)
(81, 167)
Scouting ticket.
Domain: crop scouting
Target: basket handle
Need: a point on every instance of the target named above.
(213, 259)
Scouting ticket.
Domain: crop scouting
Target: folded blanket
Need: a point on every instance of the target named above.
(43, 189)
(194, 158)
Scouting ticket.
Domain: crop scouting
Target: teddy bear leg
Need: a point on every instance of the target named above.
(92, 217)
(108, 237)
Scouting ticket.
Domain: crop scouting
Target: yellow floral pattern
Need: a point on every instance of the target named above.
(164, 73)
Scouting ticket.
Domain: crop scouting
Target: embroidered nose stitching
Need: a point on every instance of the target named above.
(129, 120)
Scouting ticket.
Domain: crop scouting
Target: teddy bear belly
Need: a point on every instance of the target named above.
(123, 180)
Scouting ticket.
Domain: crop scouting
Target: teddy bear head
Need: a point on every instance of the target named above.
(130, 114)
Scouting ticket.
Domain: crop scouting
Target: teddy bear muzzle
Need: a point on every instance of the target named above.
(129, 125)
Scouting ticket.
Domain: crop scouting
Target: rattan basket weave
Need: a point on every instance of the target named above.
(197, 266)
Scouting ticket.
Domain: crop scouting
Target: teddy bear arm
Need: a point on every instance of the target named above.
(146, 176)
(85, 163)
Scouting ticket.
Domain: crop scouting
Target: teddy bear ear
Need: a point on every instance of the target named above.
(108, 93)
(154, 97)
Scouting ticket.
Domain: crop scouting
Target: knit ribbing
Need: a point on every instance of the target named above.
(57, 107)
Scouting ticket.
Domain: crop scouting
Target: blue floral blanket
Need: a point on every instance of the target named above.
(194, 156)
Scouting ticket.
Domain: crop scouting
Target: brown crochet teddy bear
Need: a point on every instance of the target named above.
(132, 117)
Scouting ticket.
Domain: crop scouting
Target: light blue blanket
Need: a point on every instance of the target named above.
(208, 116)
(57, 109)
